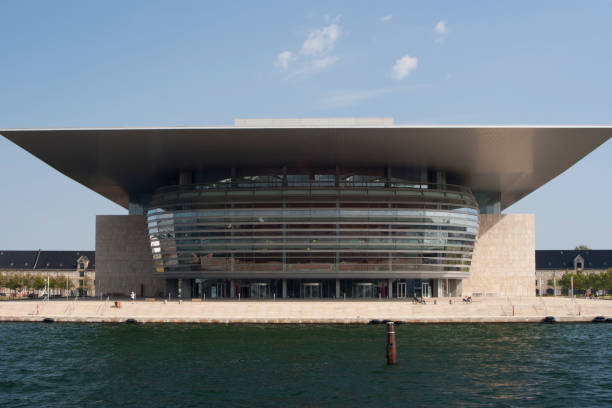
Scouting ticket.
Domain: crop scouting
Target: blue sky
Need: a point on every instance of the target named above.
(161, 63)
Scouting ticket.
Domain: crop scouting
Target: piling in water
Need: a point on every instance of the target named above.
(391, 352)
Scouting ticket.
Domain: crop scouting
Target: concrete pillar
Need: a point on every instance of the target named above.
(284, 288)
(337, 178)
(337, 288)
(390, 290)
(187, 285)
(454, 288)
(441, 291)
(184, 287)
(232, 288)
(284, 254)
(234, 176)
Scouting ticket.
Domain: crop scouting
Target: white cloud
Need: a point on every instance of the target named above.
(340, 99)
(312, 66)
(321, 41)
(404, 66)
(386, 18)
(441, 28)
(321, 63)
(314, 56)
(283, 59)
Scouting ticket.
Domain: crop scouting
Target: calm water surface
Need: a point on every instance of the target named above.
(56, 365)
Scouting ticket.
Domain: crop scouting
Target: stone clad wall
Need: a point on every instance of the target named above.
(503, 263)
(123, 256)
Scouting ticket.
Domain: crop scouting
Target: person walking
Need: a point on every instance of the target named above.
(132, 296)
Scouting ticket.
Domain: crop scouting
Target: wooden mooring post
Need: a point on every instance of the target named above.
(391, 351)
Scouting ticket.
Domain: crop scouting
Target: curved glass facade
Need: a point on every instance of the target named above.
(324, 227)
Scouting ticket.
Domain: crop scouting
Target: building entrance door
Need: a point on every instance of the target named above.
(425, 289)
(221, 289)
(364, 290)
(401, 289)
(312, 290)
(259, 290)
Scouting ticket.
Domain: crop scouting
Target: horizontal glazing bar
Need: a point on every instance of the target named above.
(257, 227)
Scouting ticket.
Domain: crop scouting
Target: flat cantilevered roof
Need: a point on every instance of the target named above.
(117, 162)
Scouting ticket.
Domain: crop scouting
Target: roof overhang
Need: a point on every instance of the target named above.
(117, 162)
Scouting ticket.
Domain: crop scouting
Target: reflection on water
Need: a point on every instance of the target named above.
(255, 365)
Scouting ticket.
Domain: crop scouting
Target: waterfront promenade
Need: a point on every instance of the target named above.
(493, 309)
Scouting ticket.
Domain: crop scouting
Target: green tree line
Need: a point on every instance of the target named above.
(19, 282)
(582, 281)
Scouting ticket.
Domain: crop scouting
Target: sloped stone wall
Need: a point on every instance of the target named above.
(503, 263)
(123, 256)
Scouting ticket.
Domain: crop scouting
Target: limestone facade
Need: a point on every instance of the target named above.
(503, 263)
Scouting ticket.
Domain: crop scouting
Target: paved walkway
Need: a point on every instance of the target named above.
(494, 309)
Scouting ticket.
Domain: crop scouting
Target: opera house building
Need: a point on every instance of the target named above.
(314, 208)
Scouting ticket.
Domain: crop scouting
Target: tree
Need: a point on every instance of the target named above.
(582, 248)
(3, 280)
(27, 281)
(15, 282)
(59, 282)
(605, 279)
(38, 282)
(580, 281)
(565, 281)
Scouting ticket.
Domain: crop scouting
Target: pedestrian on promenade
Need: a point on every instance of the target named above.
(132, 296)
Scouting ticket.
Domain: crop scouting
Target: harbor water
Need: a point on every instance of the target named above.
(123, 365)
